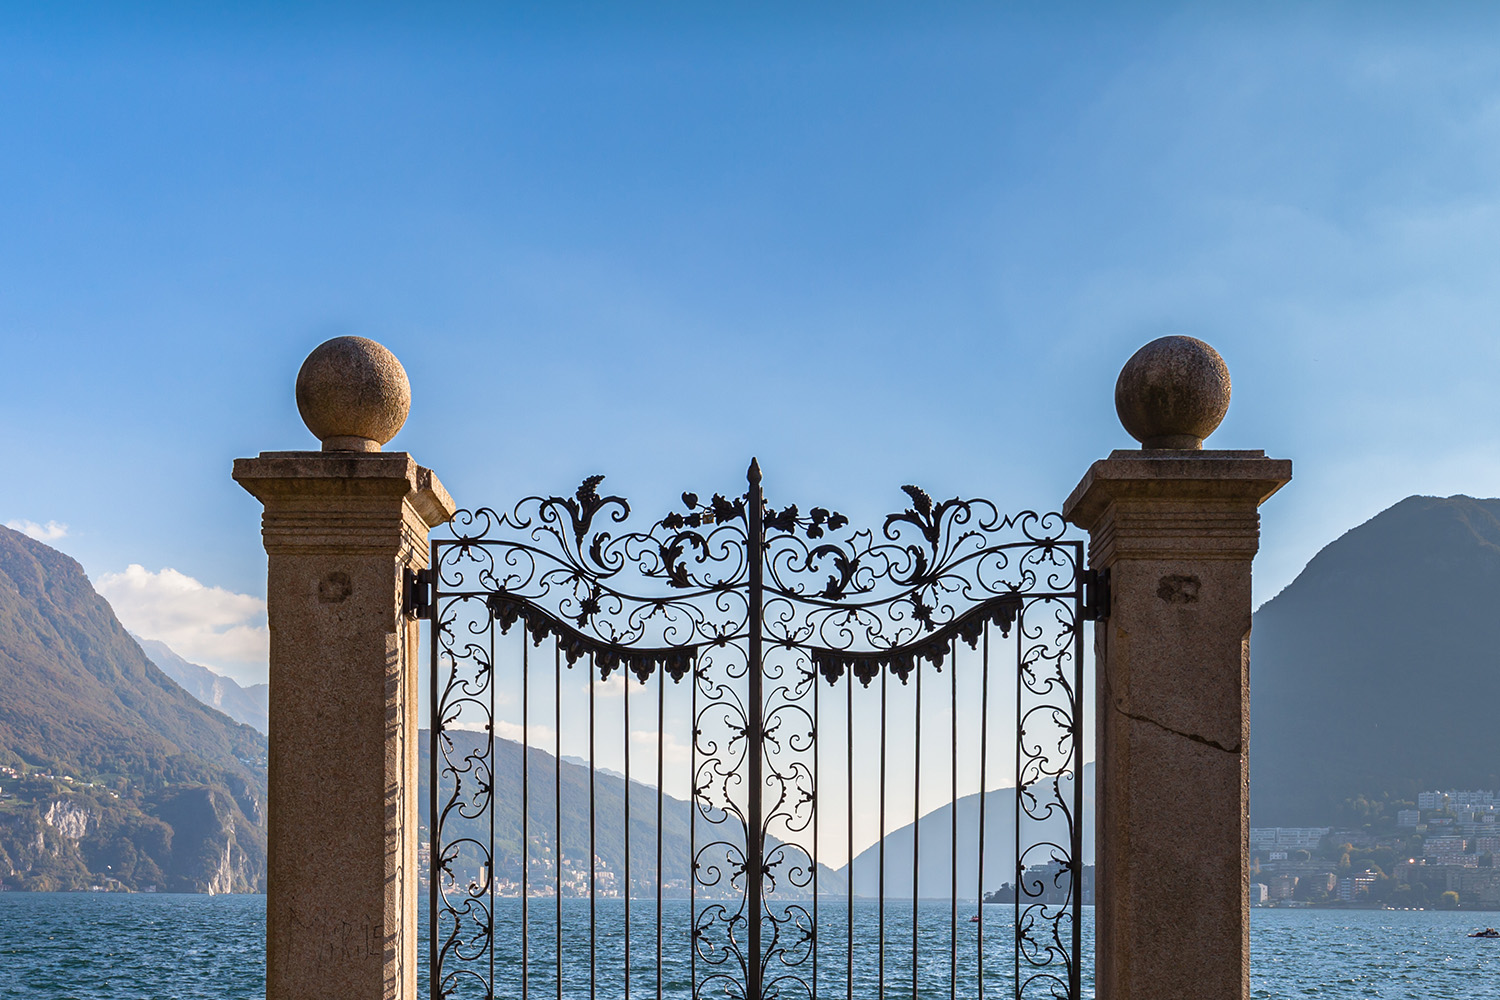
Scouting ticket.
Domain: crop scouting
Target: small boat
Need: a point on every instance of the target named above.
(1488, 932)
(974, 919)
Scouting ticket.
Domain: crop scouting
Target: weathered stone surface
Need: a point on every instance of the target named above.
(353, 394)
(1172, 393)
(339, 529)
(1177, 532)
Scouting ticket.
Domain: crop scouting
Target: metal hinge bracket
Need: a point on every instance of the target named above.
(416, 593)
(1095, 595)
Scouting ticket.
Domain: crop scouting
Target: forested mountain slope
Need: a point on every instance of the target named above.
(1376, 673)
(113, 774)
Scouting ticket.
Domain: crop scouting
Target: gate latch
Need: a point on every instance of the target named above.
(416, 593)
(1095, 595)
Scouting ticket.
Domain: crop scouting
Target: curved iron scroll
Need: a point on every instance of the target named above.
(753, 605)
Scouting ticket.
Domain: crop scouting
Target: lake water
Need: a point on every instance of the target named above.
(96, 946)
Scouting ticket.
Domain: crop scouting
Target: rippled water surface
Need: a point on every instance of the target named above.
(112, 946)
(94, 946)
(1372, 953)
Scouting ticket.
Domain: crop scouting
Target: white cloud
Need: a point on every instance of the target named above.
(49, 532)
(209, 625)
(614, 686)
(672, 750)
(541, 737)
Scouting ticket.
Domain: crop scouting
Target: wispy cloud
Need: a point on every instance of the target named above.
(538, 737)
(673, 751)
(542, 737)
(209, 625)
(613, 687)
(49, 532)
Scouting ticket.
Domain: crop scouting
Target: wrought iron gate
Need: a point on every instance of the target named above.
(784, 648)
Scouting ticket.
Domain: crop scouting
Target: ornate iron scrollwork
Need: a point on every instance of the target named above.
(754, 606)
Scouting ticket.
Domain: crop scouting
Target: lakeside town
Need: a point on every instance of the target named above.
(1439, 854)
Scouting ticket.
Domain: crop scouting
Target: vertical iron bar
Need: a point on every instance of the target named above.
(953, 819)
(625, 679)
(984, 797)
(693, 833)
(916, 828)
(661, 708)
(849, 742)
(525, 818)
(754, 842)
(1020, 793)
(1075, 980)
(817, 787)
(493, 682)
(557, 854)
(593, 849)
(881, 893)
(434, 750)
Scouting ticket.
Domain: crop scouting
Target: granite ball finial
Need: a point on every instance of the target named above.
(352, 394)
(1172, 393)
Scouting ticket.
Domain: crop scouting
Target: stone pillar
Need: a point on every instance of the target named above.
(340, 527)
(1176, 528)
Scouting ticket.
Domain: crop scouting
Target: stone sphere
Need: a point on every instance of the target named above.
(1172, 393)
(353, 394)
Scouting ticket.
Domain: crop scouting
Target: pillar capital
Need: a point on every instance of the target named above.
(319, 501)
(1157, 504)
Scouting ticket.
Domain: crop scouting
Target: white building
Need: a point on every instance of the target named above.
(1287, 838)
(1456, 799)
(1443, 845)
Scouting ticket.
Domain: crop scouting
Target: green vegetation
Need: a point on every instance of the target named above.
(1397, 880)
(110, 773)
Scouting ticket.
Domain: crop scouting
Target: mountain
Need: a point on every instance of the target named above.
(935, 849)
(111, 773)
(1375, 674)
(249, 705)
(609, 839)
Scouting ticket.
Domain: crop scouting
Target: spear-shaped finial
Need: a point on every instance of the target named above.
(754, 474)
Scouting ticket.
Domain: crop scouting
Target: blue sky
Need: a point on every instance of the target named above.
(871, 244)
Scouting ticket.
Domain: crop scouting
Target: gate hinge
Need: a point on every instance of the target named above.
(416, 593)
(1095, 595)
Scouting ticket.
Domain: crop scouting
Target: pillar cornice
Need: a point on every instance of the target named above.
(1230, 477)
(1165, 504)
(345, 502)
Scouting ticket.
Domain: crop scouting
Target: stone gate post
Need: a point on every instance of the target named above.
(340, 527)
(1176, 528)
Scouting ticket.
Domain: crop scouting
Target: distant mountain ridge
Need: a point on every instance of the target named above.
(934, 868)
(935, 873)
(250, 705)
(609, 826)
(1376, 672)
(111, 773)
